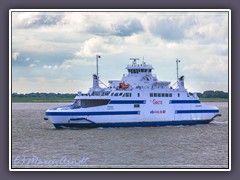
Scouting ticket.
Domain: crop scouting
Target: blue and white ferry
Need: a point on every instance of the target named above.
(139, 99)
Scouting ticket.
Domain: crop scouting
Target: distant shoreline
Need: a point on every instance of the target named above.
(70, 100)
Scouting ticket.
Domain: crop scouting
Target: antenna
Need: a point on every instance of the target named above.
(97, 56)
(134, 60)
(177, 61)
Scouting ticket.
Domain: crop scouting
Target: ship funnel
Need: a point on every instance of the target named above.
(181, 82)
(95, 81)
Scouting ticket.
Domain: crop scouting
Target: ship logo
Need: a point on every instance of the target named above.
(158, 112)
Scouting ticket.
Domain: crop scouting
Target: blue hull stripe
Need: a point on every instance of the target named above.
(127, 102)
(91, 113)
(183, 101)
(132, 124)
(196, 111)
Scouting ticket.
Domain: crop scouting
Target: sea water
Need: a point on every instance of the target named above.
(37, 144)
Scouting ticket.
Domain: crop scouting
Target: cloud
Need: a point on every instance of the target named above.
(81, 22)
(28, 20)
(209, 68)
(27, 59)
(56, 67)
(99, 45)
(171, 28)
(32, 65)
(15, 55)
(69, 63)
(35, 84)
(47, 66)
(127, 27)
(209, 29)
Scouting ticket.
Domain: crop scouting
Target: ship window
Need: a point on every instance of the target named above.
(155, 94)
(166, 94)
(120, 94)
(178, 94)
(170, 94)
(127, 95)
(136, 105)
(163, 95)
(85, 103)
(116, 94)
(129, 70)
(159, 94)
(112, 94)
(151, 94)
(138, 94)
(106, 93)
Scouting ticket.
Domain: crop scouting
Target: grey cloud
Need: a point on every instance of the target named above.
(171, 29)
(121, 28)
(98, 29)
(127, 27)
(41, 20)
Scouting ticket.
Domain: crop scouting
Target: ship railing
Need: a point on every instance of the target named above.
(85, 94)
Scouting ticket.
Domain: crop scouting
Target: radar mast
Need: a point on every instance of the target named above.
(134, 61)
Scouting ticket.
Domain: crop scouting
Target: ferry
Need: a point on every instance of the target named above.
(138, 99)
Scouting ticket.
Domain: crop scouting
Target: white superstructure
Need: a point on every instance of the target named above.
(138, 99)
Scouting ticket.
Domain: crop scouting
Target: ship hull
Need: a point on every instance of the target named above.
(131, 124)
(129, 116)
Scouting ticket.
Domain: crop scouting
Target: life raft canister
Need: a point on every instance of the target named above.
(122, 85)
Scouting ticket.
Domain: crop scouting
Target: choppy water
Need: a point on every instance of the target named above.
(37, 144)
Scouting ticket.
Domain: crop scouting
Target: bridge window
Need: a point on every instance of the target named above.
(151, 94)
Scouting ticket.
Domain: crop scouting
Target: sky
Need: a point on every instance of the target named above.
(56, 51)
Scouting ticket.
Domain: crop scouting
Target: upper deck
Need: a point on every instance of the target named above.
(138, 80)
